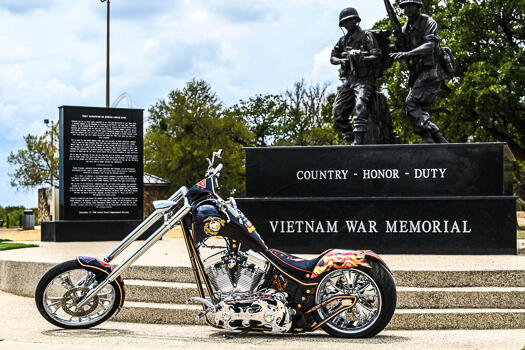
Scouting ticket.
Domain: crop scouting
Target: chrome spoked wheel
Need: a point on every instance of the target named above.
(354, 314)
(62, 293)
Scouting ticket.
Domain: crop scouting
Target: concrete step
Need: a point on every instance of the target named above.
(138, 312)
(438, 278)
(461, 297)
(21, 277)
(420, 319)
(160, 292)
(472, 278)
(181, 274)
(408, 297)
(406, 319)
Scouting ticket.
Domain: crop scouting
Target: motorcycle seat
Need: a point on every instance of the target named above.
(292, 264)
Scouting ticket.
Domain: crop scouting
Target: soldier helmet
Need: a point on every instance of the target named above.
(408, 2)
(347, 14)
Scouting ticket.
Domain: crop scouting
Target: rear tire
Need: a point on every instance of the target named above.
(382, 305)
(60, 309)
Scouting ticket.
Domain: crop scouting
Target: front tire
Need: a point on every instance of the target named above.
(61, 287)
(375, 291)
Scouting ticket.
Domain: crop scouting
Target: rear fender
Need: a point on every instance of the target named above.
(370, 255)
(102, 270)
(344, 259)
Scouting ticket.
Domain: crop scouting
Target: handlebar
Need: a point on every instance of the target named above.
(217, 169)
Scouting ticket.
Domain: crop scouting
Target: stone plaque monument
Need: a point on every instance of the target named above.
(101, 174)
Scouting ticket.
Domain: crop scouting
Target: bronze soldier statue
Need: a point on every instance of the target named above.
(421, 50)
(358, 54)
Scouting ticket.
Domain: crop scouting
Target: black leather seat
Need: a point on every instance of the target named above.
(299, 267)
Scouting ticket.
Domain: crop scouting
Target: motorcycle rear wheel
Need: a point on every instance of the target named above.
(375, 291)
(64, 285)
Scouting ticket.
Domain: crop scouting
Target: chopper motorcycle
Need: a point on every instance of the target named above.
(242, 283)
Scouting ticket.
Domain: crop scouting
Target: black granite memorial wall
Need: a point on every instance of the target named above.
(441, 198)
(101, 174)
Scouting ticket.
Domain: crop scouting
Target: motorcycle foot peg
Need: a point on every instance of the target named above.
(202, 313)
(202, 301)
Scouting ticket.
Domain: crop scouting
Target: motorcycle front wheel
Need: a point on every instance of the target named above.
(375, 301)
(64, 285)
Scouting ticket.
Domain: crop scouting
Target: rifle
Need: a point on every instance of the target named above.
(399, 37)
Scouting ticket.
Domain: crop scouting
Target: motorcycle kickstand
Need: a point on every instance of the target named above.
(204, 302)
(235, 335)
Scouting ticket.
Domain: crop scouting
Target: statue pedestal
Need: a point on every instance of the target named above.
(429, 199)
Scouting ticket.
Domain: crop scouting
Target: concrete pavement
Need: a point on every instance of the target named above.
(22, 327)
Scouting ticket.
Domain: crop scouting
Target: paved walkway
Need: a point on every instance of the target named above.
(172, 252)
(17, 234)
(22, 327)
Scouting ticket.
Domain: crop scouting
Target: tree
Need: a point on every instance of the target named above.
(186, 127)
(37, 164)
(304, 123)
(296, 117)
(262, 115)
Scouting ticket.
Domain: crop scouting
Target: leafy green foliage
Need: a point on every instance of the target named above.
(14, 217)
(37, 164)
(305, 121)
(297, 117)
(262, 114)
(8, 246)
(14, 213)
(186, 128)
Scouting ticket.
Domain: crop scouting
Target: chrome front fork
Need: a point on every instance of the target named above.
(168, 224)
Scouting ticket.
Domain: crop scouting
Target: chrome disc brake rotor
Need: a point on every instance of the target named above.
(70, 299)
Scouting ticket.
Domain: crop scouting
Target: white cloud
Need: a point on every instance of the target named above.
(53, 53)
(323, 70)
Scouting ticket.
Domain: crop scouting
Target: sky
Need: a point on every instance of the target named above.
(53, 53)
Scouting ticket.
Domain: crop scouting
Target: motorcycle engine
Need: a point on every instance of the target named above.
(237, 279)
(231, 273)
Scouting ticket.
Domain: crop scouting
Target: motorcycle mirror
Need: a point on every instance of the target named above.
(218, 154)
(163, 205)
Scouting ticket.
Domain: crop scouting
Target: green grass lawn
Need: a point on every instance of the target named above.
(6, 245)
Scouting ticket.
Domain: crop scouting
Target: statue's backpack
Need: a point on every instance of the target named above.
(447, 61)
